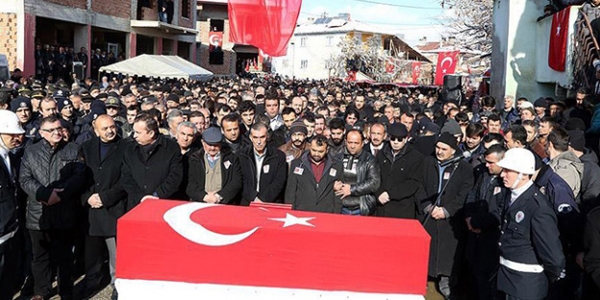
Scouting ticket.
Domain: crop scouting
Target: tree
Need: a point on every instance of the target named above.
(471, 23)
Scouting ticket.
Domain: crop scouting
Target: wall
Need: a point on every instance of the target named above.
(514, 50)
(71, 3)
(316, 52)
(8, 43)
(229, 57)
(117, 8)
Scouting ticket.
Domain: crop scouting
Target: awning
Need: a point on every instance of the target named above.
(159, 66)
(241, 48)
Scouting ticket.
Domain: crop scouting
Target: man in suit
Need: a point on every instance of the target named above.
(11, 137)
(105, 197)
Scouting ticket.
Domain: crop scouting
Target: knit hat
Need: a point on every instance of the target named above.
(397, 130)
(62, 103)
(20, 102)
(575, 124)
(298, 126)
(577, 140)
(448, 139)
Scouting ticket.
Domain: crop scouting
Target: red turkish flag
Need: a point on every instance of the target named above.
(559, 33)
(183, 250)
(389, 66)
(265, 24)
(416, 72)
(446, 65)
(215, 40)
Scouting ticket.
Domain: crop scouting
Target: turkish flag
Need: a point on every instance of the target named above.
(215, 40)
(191, 250)
(446, 65)
(389, 67)
(559, 33)
(265, 24)
(416, 72)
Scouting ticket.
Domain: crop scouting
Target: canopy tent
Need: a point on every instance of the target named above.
(161, 66)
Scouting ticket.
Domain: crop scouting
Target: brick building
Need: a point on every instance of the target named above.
(233, 58)
(125, 27)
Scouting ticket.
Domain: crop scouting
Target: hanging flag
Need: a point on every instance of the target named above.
(416, 72)
(265, 24)
(389, 66)
(557, 53)
(446, 65)
(215, 41)
(179, 250)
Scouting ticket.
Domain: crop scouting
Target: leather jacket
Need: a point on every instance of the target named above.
(368, 180)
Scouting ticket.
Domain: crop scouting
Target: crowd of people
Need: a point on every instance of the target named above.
(504, 188)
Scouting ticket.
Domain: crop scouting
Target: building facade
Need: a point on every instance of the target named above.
(125, 28)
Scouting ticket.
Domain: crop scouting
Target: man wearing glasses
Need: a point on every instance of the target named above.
(53, 177)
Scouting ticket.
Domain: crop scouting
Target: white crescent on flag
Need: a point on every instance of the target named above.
(213, 39)
(178, 218)
(449, 60)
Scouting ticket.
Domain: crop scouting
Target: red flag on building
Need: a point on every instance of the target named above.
(179, 250)
(389, 66)
(215, 41)
(267, 25)
(446, 65)
(416, 72)
(559, 32)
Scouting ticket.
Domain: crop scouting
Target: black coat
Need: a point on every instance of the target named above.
(305, 193)
(231, 177)
(272, 176)
(529, 236)
(401, 179)
(159, 175)
(103, 177)
(445, 233)
(591, 240)
(43, 170)
(8, 198)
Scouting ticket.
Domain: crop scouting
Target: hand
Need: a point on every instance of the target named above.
(344, 191)
(438, 213)
(94, 201)
(579, 259)
(211, 198)
(54, 198)
(258, 200)
(148, 197)
(384, 198)
(337, 185)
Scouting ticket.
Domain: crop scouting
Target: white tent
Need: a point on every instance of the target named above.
(159, 66)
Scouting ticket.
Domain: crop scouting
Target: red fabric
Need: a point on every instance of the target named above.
(265, 24)
(336, 253)
(416, 72)
(557, 53)
(318, 170)
(389, 67)
(446, 65)
(215, 40)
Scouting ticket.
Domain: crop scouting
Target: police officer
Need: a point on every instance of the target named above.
(11, 136)
(482, 214)
(530, 250)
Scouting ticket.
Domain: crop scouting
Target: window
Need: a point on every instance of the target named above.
(215, 58)
(303, 41)
(303, 64)
(285, 63)
(329, 41)
(217, 25)
(185, 8)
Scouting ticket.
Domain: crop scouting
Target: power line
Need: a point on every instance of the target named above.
(384, 23)
(398, 5)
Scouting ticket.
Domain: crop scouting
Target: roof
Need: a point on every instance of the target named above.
(159, 66)
(429, 46)
(338, 25)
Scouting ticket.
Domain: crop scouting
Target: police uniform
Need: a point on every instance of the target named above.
(530, 250)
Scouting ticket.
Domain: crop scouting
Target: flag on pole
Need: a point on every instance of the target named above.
(559, 33)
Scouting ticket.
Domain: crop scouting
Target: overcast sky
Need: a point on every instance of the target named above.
(412, 18)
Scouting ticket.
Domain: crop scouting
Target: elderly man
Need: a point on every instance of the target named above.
(11, 137)
(152, 165)
(214, 174)
(447, 183)
(105, 197)
(53, 176)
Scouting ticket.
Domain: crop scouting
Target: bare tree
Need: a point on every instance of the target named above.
(471, 24)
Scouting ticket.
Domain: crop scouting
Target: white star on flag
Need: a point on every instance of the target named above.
(291, 220)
